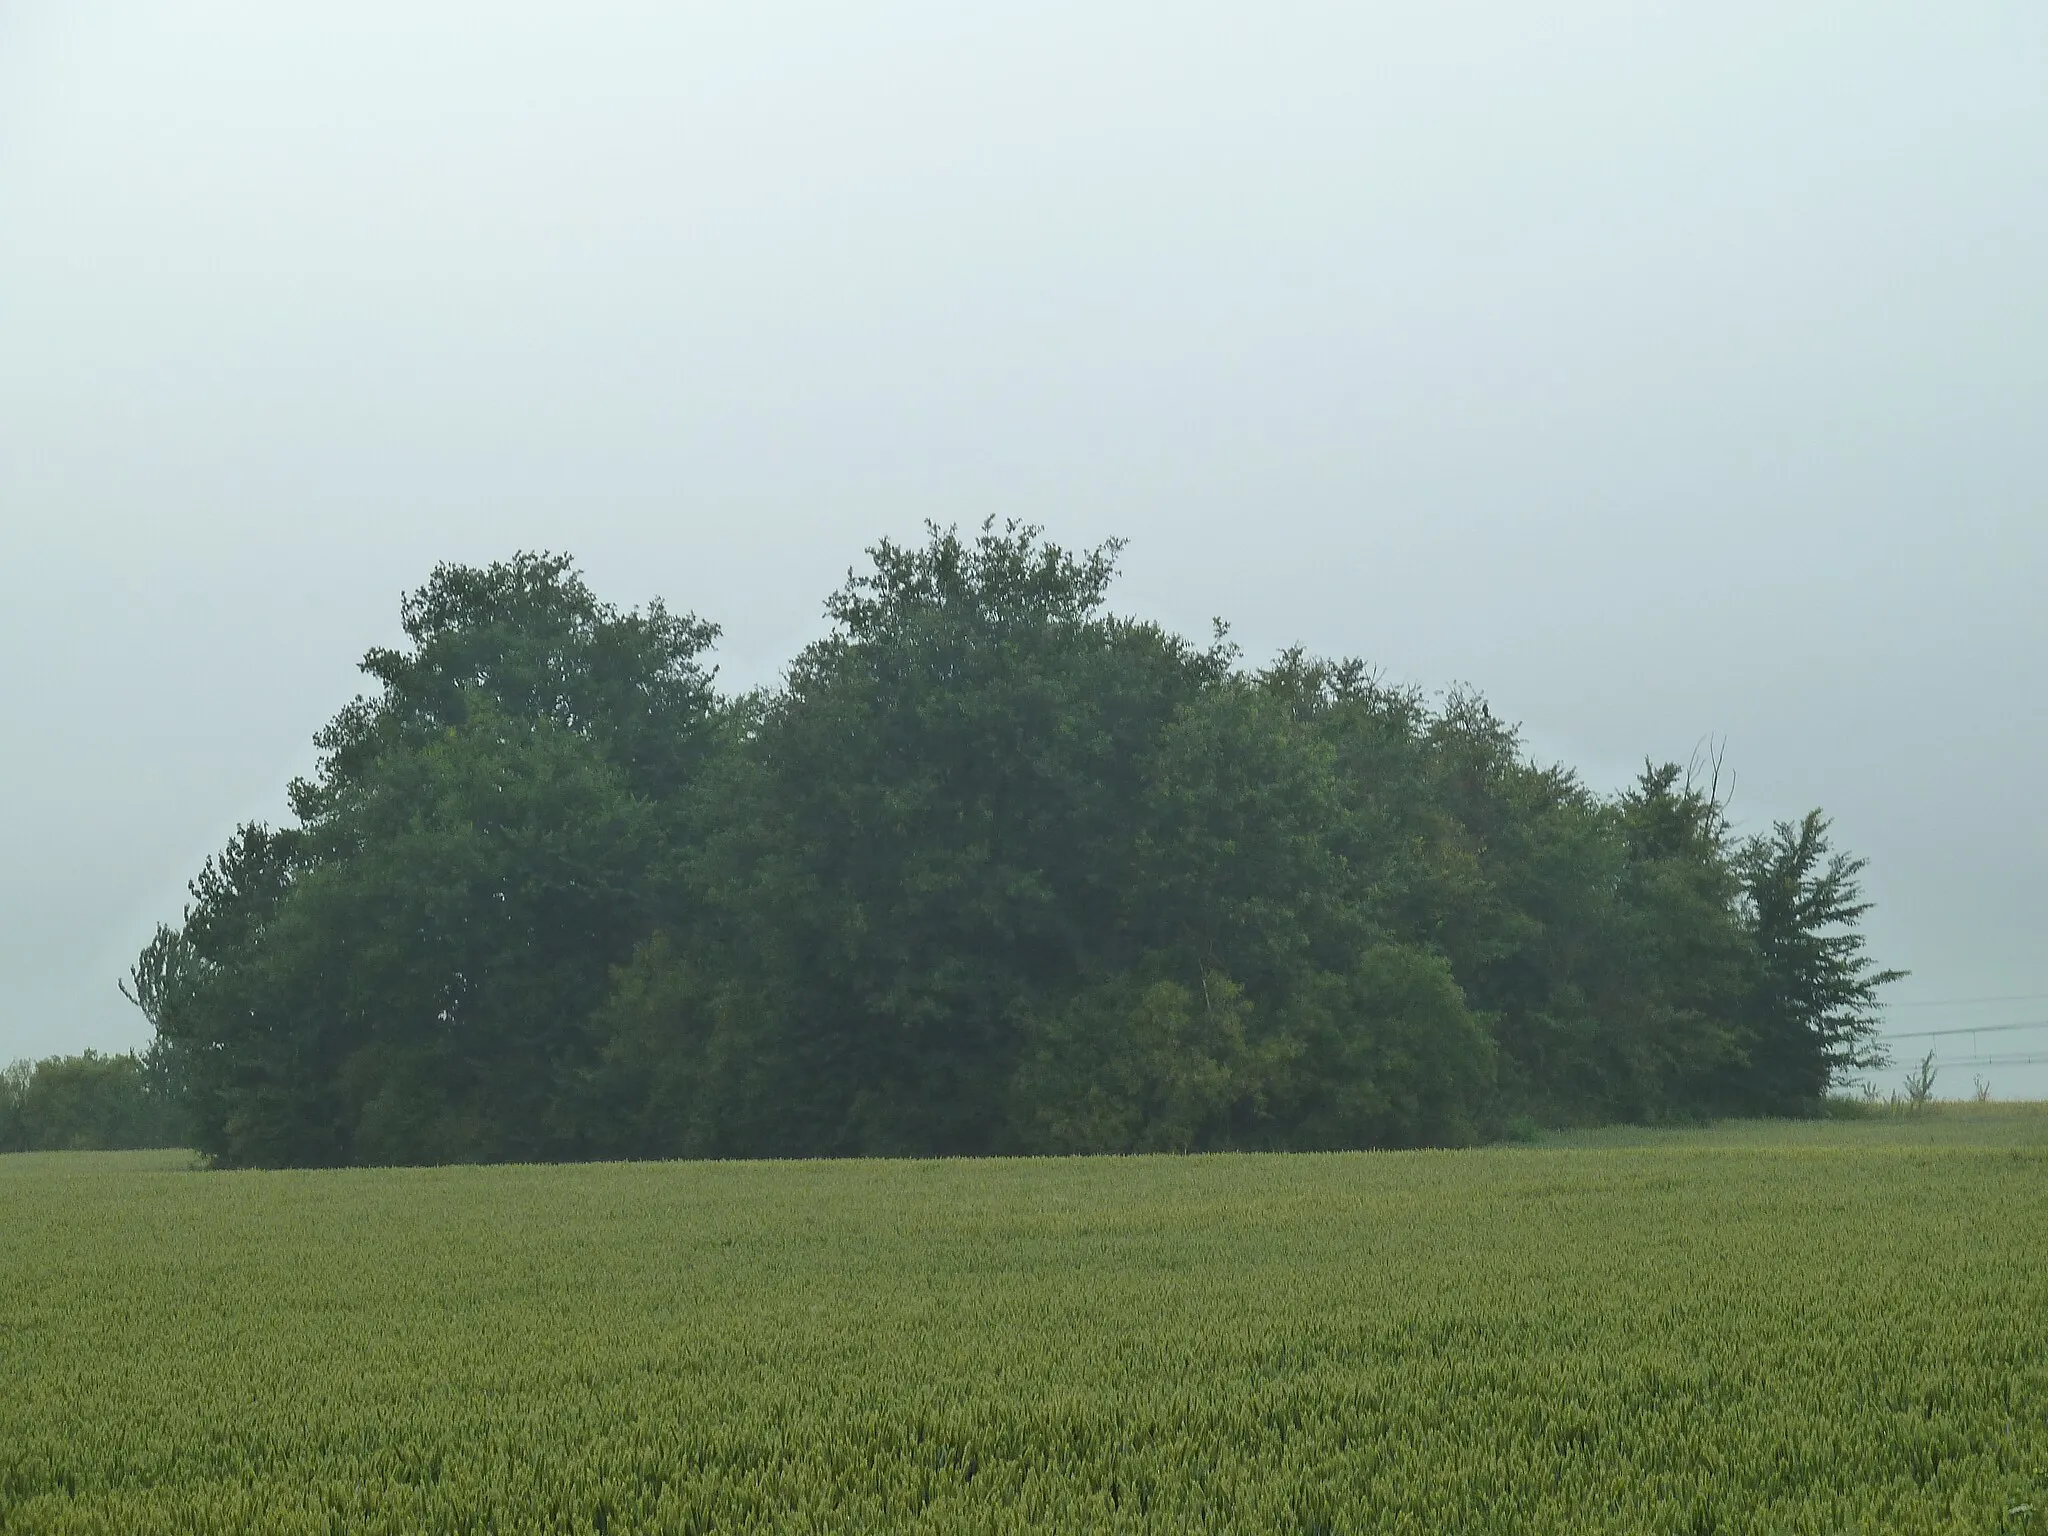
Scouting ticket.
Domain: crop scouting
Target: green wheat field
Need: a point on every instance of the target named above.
(1834, 1326)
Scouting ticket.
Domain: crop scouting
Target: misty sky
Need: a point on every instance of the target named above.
(1660, 370)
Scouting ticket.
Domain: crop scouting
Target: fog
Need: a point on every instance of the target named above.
(1668, 373)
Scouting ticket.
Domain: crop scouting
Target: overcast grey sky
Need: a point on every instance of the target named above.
(1661, 370)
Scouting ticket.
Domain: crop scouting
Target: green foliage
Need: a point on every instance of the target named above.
(406, 975)
(1919, 1084)
(1805, 1326)
(88, 1102)
(1128, 1066)
(1813, 1016)
(991, 870)
(926, 836)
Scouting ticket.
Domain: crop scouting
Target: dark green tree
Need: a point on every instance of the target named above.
(409, 973)
(926, 835)
(1812, 1017)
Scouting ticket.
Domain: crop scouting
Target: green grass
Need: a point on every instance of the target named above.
(1836, 1326)
(1943, 1124)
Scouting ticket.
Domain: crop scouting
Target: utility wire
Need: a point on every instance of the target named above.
(1969, 1002)
(1963, 1029)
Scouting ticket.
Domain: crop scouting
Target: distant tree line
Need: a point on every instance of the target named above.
(89, 1102)
(991, 870)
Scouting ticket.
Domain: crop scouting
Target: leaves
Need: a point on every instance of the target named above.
(1814, 1010)
(992, 869)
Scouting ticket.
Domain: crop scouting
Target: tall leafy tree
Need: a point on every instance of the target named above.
(409, 973)
(929, 827)
(1812, 1016)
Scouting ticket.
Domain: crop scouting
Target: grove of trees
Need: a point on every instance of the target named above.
(88, 1102)
(991, 870)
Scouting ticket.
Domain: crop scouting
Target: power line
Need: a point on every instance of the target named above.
(1970, 1002)
(2030, 1059)
(1964, 1029)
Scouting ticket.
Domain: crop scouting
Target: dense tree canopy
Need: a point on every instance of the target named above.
(991, 870)
(88, 1102)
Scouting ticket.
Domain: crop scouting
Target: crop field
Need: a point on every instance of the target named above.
(1837, 1326)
